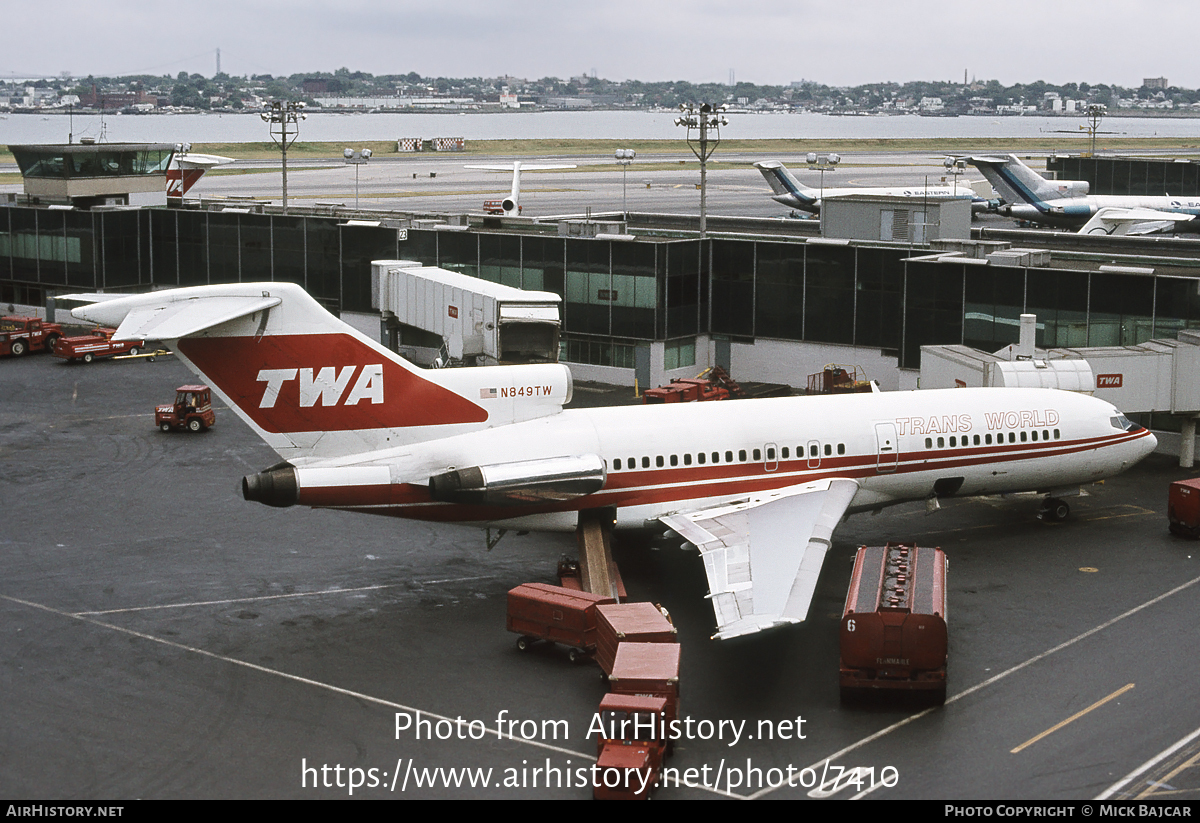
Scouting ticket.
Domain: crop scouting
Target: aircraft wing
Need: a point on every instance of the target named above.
(763, 555)
(1118, 221)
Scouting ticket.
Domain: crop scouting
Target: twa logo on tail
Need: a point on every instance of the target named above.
(342, 386)
(324, 386)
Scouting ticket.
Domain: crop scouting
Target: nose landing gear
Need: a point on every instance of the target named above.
(1054, 510)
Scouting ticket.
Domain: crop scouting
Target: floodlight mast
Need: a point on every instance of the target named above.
(356, 157)
(278, 116)
(702, 119)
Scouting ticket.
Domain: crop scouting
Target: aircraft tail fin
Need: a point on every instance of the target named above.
(786, 188)
(312, 386)
(1016, 182)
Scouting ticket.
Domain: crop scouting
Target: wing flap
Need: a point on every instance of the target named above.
(763, 556)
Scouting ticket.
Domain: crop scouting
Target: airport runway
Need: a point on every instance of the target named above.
(667, 184)
(162, 638)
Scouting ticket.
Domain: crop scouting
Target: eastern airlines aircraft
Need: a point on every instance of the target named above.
(791, 192)
(756, 485)
(1033, 198)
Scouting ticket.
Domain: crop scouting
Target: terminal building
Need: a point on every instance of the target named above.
(653, 300)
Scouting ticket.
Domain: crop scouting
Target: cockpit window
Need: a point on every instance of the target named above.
(1124, 423)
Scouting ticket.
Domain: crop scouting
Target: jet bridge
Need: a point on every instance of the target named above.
(1157, 376)
(439, 317)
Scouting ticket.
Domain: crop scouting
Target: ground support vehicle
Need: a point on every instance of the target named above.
(893, 630)
(649, 670)
(97, 344)
(570, 576)
(835, 378)
(1183, 507)
(539, 611)
(192, 410)
(629, 622)
(631, 747)
(713, 384)
(20, 335)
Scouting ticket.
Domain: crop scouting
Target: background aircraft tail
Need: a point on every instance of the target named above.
(312, 386)
(787, 189)
(1016, 182)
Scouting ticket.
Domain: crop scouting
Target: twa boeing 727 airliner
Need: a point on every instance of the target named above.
(758, 486)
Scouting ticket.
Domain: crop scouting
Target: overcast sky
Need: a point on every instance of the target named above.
(848, 43)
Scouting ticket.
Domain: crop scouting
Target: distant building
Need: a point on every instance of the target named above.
(1155, 83)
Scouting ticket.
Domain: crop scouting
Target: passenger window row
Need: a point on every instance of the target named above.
(975, 440)
(742, 455)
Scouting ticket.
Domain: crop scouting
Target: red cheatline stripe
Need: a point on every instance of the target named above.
(412, 500)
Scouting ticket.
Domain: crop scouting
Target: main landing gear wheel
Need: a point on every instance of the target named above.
(1054, 510)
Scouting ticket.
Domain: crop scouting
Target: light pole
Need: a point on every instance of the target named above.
(1095, 113)
(279, 116)
(356, 157)
(625, 157)
(823, 163)
(702, 119)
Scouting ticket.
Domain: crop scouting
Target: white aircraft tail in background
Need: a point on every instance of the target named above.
(511, 205)
(186, 168)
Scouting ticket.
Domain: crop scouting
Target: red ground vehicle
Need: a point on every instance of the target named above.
(19, 335)
(192, 410)
(1183, 507)
(715, 384)
(539, 611)
(631, 748)
(893, 632)
(93, 346)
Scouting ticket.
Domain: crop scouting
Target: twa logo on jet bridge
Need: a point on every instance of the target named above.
(1109, 381)
(323, 382)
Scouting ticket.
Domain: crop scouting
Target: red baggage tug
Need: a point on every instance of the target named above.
(893, 632)
(631, 746)
(1183, 507)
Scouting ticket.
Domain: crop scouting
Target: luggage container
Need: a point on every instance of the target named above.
(629, 622)
(539, 611)
(893, 630)
(1183, 507)
(650, 670)
(631, 747)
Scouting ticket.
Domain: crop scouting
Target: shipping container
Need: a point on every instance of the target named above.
(648, 669)
(893, 630)
(539, 611)
(629, 622)
(1183, 507)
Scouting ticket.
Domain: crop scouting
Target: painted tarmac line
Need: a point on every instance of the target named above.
(275, 596)
(990, 681)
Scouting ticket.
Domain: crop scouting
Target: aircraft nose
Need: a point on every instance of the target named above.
(1151, 443)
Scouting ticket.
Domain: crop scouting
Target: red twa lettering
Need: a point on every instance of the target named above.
(1109, 381)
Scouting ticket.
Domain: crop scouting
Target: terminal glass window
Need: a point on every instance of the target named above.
(779, 291)
(1060, 301)
(995, 299)
(829, 294)
(678, 354)
(732, 287)
(1122, 308)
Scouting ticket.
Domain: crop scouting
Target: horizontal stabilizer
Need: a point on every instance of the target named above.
(140, 318)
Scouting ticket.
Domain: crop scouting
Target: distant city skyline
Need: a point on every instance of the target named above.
(771, 42)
